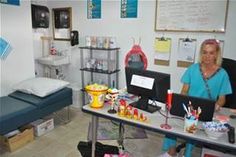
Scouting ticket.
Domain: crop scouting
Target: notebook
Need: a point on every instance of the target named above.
(207, 106)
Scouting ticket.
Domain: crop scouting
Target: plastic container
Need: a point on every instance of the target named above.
(214, 129)
(96, 95)
(190, 125)
(88, 41)
(214, 134)
(112, 42)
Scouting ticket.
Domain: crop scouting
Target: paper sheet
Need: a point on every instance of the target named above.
(140, 81)
(162, 49)
(222, 46)
(162, 46)
(186, 50)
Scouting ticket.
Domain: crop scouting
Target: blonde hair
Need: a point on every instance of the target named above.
(216, 43)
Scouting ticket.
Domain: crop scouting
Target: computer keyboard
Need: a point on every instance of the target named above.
(158, 104)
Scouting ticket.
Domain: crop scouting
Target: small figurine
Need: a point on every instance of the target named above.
(122, 108)
(128, 112)
(142, 117)
(112, 96)
(135, 115)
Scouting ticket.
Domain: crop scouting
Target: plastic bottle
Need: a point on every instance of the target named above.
(53, 49)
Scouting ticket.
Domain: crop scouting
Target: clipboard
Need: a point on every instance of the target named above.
(222, 46)
(186, 52)
(162, 47)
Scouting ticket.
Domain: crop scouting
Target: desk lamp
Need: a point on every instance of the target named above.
(168, 106)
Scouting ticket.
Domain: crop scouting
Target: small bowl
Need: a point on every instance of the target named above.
(214, 130)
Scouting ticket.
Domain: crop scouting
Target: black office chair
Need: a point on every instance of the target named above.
(230, 66)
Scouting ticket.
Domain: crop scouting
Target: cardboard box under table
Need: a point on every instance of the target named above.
(17, 141)
(42, 126)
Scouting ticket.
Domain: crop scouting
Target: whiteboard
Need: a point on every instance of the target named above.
(191, 15)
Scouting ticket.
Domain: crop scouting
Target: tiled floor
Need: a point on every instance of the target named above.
(63, 141)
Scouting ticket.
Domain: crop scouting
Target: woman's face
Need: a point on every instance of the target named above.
(209, 54)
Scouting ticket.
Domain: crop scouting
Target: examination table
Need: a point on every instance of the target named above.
(19, 108)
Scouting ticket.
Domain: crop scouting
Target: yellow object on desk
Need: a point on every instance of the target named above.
(96, 94)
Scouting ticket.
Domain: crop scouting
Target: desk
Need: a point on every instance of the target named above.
(153, 124)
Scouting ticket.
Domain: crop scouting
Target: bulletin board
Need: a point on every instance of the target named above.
(191, 16)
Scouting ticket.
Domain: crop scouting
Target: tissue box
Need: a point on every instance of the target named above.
(42, 126)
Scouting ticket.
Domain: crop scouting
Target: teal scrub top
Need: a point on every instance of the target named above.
(219, 84)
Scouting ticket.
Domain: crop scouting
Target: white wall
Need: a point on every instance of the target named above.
(124, 29)
(37, 42)
(16, 28)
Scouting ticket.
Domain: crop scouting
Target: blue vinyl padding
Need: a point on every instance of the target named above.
(19, 108)
(45, 101)
(14, 113)
(10, 107)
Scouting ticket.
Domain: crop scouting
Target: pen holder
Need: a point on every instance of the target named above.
(190, 124)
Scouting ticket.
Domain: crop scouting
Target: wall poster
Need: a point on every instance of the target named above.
(93, 9)
(12, 2)
(129, 8)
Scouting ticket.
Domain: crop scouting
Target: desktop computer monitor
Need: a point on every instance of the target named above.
(147, 85)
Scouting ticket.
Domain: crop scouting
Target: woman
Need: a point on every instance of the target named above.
(205, 79)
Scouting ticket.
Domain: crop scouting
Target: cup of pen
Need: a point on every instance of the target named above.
(190, 124)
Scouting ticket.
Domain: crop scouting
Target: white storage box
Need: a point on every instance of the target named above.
(42, 126)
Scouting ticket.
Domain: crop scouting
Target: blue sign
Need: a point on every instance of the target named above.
(94, 9)
(12, 2)
(129, 8)
(5, 48)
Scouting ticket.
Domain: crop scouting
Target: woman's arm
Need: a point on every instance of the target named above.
(220, 102)
(185, 89)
